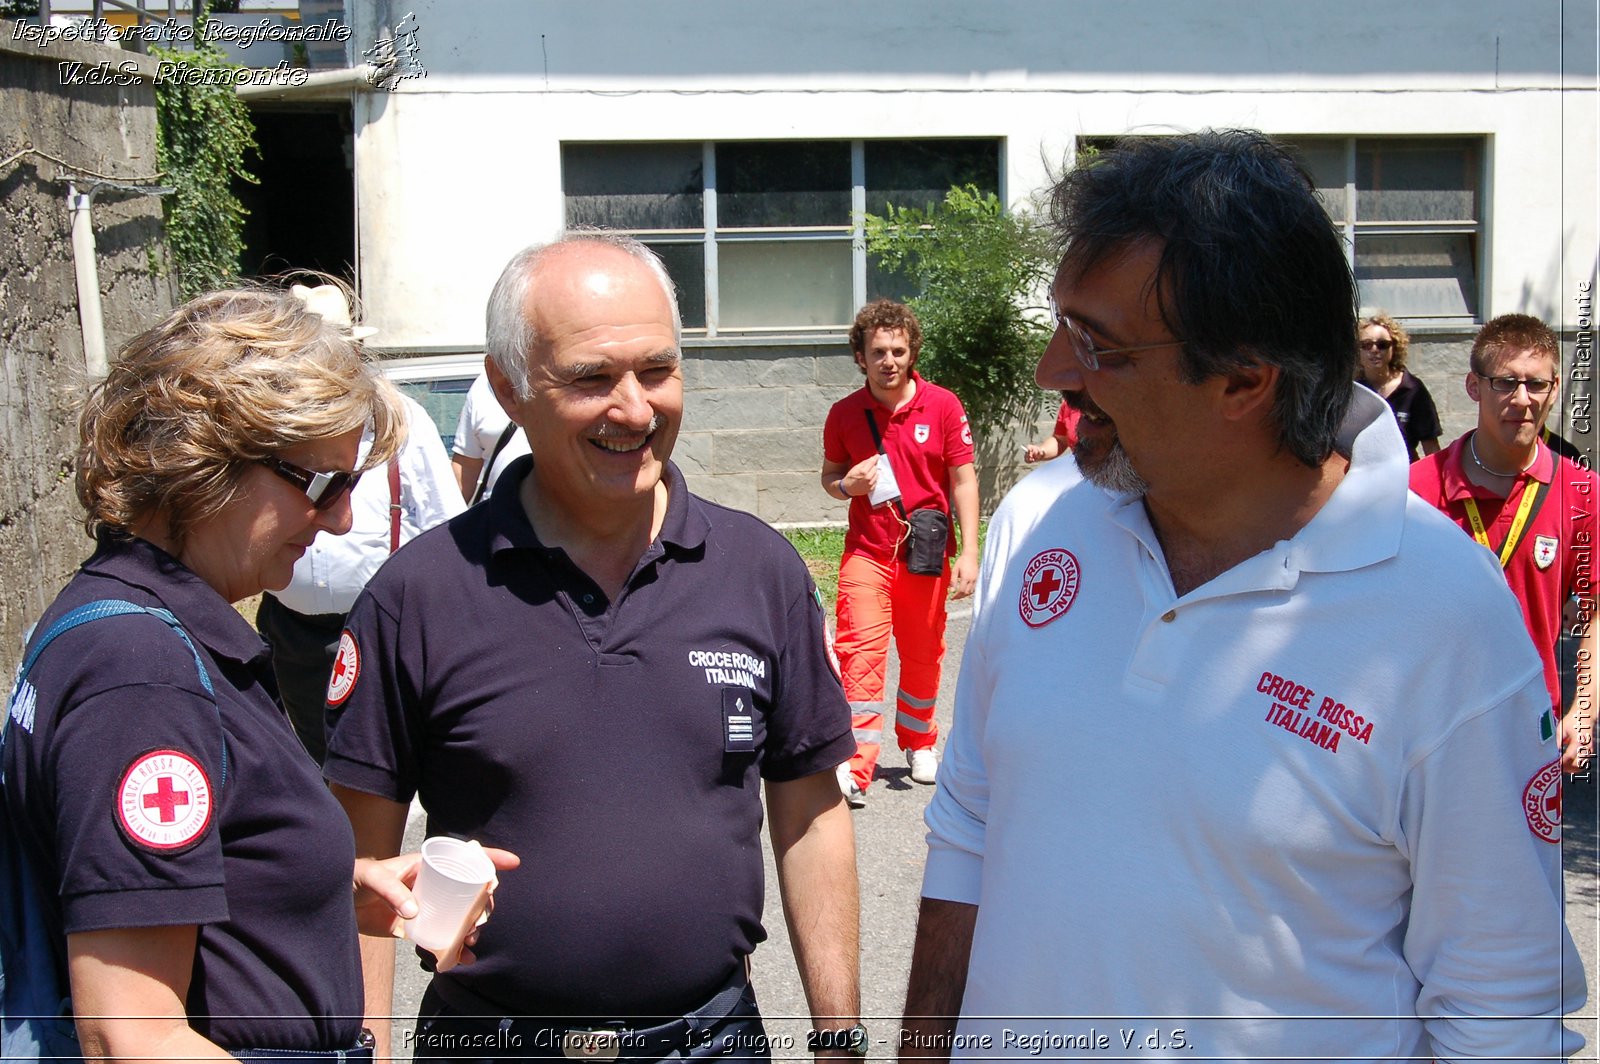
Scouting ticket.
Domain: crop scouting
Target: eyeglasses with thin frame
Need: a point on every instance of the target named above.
(1376, 345)
(1537, 387)
(322, 489)
(1090, 355)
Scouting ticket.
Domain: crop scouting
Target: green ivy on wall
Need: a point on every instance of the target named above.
(202, 134)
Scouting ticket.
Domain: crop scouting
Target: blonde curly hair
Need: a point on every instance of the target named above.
(227, 379)
(1402, 339)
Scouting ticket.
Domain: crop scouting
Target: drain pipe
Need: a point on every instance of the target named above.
(80, 205)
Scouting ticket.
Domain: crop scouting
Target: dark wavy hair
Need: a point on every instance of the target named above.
(1252, 270)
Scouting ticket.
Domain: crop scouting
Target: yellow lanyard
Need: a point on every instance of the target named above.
(1524, 508)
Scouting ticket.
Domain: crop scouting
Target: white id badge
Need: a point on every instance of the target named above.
(887, 488)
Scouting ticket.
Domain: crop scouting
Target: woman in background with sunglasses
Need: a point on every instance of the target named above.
(198, 867)
(1382, 367)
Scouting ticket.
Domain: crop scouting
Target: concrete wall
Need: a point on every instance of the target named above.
(110, 130)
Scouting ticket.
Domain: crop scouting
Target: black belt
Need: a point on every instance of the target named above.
(599, 1041)
(362, 1050)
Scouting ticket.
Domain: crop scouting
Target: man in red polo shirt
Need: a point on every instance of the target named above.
(922, 431)
(1534, 509)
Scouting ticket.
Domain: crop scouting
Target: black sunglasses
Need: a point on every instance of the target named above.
(323, 489)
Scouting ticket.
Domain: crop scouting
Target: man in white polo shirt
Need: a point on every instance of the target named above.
(1207, 796)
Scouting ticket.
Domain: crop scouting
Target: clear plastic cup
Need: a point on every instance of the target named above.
(450, 891)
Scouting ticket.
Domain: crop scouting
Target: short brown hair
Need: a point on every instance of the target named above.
(1518, 332)
(885, 314)
(1402, 339)
(228, 378)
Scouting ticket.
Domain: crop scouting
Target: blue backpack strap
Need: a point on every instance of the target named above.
(94, 611)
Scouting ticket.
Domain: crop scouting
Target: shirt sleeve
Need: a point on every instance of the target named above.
(957, 434)
(957, 816)
(135, 771)
(1424, 423)
(429, 493)
(833, 444)
(375, 724)
(808, 728)
(1497, 966)
(481, 422)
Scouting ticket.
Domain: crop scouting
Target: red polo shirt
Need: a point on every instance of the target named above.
(1067, 425)
(924, 439)
(1555, 548)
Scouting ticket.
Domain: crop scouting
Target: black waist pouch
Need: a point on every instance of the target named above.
(927, 540)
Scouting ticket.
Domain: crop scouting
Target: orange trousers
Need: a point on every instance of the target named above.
(877, 599)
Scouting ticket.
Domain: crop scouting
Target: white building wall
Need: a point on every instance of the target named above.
(458, 169)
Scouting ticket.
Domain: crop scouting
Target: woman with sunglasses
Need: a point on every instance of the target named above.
(196, 869)
(1382, 367)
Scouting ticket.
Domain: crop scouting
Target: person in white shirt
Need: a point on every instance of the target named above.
(484, 434)
(390, 505)
(1205, 795)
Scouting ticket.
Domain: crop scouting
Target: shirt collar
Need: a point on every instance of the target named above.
(684, 526)
(209, 618)
(1453, 472)
(1359, 525)
(918, 394)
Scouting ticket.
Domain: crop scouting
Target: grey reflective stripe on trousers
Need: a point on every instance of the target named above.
(867, 735)
(906, 720)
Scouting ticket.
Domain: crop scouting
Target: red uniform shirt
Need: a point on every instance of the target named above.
(924, 439)
(1067, 425)
(1544, 567)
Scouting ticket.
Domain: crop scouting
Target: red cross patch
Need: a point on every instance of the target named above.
(164, 801)
(1541, 802)
(1049, 584)
(346, 667)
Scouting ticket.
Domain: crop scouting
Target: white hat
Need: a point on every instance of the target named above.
(328, 302)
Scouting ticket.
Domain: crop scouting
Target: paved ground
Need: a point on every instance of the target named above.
(889, 840)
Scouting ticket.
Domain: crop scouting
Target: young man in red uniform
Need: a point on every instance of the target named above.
(923, 431)
(1534, 509)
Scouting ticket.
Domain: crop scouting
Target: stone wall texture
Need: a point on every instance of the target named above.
(107, 130)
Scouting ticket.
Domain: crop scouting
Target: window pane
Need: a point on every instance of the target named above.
(769, 183)
(884, 283)
(766, 283)
(1417, 180)
(1324, 160)
(915, 173)
(686, 265)
(1427, 275)
(442, 399)
(633, 186)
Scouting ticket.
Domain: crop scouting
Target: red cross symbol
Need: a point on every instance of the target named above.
(166, 799)
(339, 668)
(1552, 804)
(1045, 586)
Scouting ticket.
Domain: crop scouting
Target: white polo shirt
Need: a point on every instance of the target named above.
(1309, 799)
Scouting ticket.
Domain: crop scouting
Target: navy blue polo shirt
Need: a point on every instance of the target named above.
(116, 788)
(617, 747)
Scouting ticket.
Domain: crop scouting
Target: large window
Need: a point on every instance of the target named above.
(1412, 213)
(765, 236)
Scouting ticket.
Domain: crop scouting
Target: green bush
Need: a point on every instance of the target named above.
(978, 268)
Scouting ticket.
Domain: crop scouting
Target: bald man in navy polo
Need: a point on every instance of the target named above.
(601, 672)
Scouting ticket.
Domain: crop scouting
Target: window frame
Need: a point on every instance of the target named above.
(711, 237)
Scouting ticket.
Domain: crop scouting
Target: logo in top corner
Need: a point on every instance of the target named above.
(1049, 584)
(346, 667)
(1541, 802)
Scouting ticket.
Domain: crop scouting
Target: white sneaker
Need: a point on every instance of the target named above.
(854, 796)
(924, 764)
